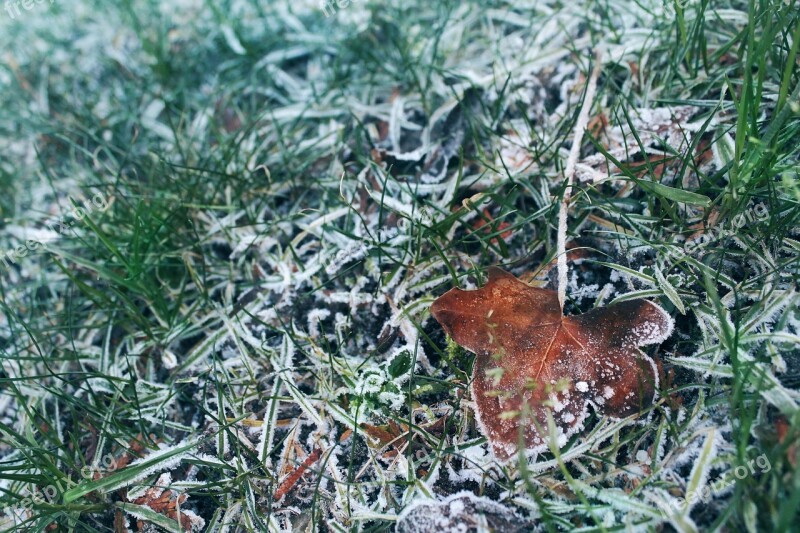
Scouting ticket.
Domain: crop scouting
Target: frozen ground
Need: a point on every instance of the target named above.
(223, 225)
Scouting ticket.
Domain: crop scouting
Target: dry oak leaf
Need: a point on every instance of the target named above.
(532, 360)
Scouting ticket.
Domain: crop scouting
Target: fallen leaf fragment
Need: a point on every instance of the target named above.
(783, 430)
(292, 479)
(168, 503)
(532, 360)
(488, 225)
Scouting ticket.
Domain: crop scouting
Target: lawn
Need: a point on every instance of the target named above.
(223, 225)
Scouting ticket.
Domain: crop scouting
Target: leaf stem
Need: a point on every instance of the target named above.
(569, 173)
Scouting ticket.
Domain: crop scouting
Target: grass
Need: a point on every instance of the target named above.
(257, 291)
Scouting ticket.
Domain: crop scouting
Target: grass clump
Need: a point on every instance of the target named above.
(241, 338)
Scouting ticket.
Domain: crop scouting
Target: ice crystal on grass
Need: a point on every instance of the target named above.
(460, 513)
(293, 191)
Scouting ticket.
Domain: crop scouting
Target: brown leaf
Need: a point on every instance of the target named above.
(532, 360)
(487, 225)
(169, 503)
(597, 125)
(381, 435)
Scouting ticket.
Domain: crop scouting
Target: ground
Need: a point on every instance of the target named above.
(223, 226)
